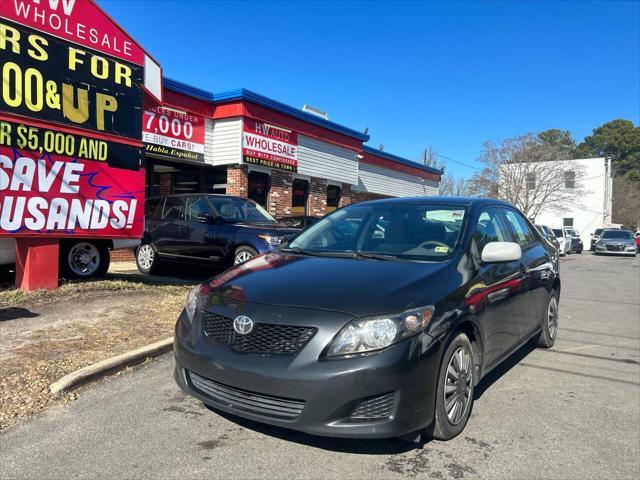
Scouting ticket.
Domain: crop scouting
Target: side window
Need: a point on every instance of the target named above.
(519, 227)
(173, 209)
(489, 229)
(195, 207)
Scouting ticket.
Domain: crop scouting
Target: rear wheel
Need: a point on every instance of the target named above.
(550, 324)
(243, 254)
(454, 393)
(147, 259)
(84, 259)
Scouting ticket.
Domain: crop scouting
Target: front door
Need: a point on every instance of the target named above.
(497, 294)
(166, 233)
(196, 242)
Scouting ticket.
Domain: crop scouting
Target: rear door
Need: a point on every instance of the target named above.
(166, 234)
(196, 241)
(496, 294)
(536, 268)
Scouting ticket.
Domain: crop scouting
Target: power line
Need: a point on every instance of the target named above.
(456, 161)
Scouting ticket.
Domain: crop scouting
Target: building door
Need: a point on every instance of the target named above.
(259, 187)
(333, 197)
(300, 194)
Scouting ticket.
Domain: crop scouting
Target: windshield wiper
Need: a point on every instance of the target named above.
(372, 255)
(300, 251)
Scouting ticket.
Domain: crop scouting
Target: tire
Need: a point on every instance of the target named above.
(84, 260)
(147, 259)
(447, 426)
(579, 252)
(243, 254)
(549, 323)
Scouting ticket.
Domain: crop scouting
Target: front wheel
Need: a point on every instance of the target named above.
(454, 393)
(243, 254)
(550, 324)
(84, 260)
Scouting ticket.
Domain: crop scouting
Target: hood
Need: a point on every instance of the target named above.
(353, 286)
(616, 241)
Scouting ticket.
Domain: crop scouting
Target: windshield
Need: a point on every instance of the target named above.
(557, 232)
(234, 209)
(405, 231)
(572, 232)
(623, 234)
(598, 231)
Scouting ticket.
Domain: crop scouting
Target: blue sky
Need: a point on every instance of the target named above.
(447, 74)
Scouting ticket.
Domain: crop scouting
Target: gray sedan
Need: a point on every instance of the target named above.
(616, 242)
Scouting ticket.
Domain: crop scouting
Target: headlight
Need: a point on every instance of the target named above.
(631, 248)
(192, 303)
(273, 239)
(375, 333)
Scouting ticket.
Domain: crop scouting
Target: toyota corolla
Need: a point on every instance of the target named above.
(378, 321)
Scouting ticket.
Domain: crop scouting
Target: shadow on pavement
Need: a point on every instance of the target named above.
(13, 313)
(387, 446)
(494, 375)
(171, 274)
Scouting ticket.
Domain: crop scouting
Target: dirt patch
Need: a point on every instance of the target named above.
(47, 334)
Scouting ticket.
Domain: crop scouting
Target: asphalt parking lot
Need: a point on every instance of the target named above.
(569, 412)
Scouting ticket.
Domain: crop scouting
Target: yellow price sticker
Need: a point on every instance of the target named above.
(442, 249)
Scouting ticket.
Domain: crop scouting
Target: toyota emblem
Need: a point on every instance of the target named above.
(243, 325)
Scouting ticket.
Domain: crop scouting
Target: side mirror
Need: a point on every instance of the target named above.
(206, 218)
(501, 252)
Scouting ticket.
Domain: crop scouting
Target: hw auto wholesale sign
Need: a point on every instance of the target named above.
(70, 122)
(173, 133)
(269, 145)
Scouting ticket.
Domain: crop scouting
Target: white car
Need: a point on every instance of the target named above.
(79, 258)
(564, 241)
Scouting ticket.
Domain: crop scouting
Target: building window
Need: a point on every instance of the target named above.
(567, 222)
(570, 179)
(259, 187)
(333, 197)
(300, 194)
(531, 181)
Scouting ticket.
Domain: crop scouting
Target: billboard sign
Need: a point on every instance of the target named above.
(173, 133)
(269, 145)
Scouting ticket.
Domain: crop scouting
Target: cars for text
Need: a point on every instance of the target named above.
(378, 321)
(206, 228)
(564, 241)
(576, 242)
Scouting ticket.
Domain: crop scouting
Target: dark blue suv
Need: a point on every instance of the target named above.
(205, 227)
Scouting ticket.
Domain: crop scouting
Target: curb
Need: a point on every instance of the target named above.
(110, 365)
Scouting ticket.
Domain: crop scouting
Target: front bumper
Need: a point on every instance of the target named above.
(328, 390)
(611, 252)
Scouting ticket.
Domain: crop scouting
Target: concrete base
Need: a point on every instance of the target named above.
(36, 263)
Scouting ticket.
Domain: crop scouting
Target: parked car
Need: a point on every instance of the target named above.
(597, 233)
(563, 241)
(368, 331)
(80, 258)
(616, 242)
(576, 242)
(637, 237)
(549, 236)
(206, 228)
(301, 222)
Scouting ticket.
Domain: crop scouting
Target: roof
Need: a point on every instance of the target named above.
(404, 161)
(185, 89)
(250, 96)
(442, 200)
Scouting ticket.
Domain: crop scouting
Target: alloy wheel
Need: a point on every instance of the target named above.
(84, 259)
(552, 318)
(242, 257)
(457, 386)
(145, 256)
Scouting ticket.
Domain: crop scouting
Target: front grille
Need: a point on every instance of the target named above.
(265, 337)
(375, 408)
(615, 248)
(265, 405)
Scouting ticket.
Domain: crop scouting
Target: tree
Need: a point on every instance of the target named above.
(454, 186)
(530, 173)
(619, 140)
(559, 138)
(626, 202)
(429, 157)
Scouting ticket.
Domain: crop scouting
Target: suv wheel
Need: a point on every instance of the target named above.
(454, 393)
(147, 259)
(85, 259)
(244, 253)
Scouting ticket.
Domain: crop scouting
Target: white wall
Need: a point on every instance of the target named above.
(223, 141)
(374, 179)
(326, 160)
(592, 210)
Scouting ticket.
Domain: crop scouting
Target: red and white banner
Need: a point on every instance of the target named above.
(59, 196)
(269, 145)
(78, 21)
(173, 133)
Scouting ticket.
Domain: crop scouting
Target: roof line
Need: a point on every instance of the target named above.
(186, 89)
(248, 95)
(404, 161)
